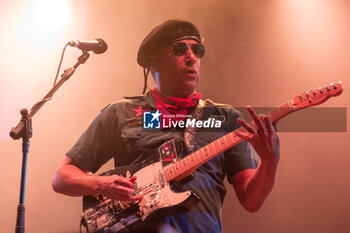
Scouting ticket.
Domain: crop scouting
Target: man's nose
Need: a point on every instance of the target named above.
(190, 57)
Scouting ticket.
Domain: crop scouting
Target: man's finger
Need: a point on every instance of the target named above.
(257, 120)
(268, 124)
(123, 190)
(123, 181)
(244, 136)
(133, 179)
(272, 135)
(136, 198)
(249, 128)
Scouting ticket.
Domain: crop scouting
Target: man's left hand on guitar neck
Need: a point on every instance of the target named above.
(264, 138)
(253, 185)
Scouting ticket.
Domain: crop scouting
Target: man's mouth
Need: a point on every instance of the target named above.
(190, 71)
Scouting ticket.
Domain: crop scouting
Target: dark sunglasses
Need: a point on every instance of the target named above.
(180, 49)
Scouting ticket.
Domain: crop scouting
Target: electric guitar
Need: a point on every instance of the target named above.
(101, 214)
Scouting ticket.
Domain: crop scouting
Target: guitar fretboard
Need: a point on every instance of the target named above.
(180, 169)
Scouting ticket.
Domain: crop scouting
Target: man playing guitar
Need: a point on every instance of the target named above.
(172, 52)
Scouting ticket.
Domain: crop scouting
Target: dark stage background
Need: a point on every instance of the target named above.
(261, 53)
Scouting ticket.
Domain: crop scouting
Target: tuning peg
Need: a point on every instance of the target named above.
(327, 88)
(340, 82)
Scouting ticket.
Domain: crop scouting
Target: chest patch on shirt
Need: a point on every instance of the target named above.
(134, 114)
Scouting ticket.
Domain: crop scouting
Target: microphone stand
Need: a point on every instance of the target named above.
(24, 130)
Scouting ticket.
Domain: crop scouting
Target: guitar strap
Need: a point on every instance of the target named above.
(190, 135)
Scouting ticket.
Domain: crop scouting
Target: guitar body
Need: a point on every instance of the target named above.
(101, 214)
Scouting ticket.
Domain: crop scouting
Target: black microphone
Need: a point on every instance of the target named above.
(97, 46)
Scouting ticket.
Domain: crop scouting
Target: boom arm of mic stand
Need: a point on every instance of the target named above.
(16, 131)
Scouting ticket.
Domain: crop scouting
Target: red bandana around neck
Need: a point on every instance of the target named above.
(178, 107)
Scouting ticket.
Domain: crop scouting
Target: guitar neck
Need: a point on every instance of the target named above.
(181, 169)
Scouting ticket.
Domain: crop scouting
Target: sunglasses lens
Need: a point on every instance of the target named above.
(198, 50)
(179, 49)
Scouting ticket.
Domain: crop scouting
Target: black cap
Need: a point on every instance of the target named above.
(163, 34)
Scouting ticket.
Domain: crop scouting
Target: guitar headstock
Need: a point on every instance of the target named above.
(318, 96)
